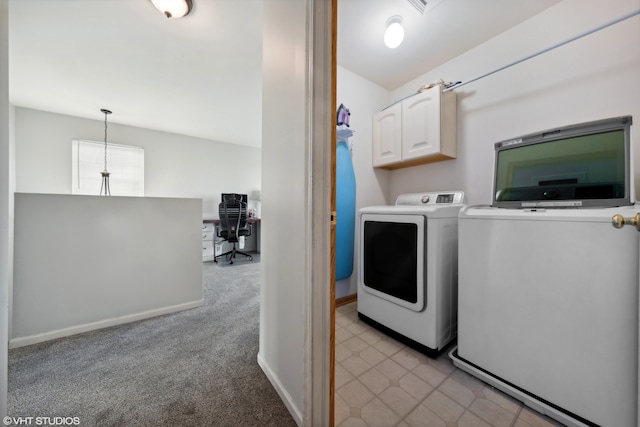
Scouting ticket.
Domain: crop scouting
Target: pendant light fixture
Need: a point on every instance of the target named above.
(394, 34)
(104, 188)
(173, 8)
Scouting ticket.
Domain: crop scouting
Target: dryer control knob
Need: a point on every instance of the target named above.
(425, 199)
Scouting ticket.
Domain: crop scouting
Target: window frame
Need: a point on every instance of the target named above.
(79, 184)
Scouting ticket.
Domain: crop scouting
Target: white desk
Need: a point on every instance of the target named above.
(210, 237)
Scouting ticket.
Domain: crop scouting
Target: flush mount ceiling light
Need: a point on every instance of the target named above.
(173, 8)
(394, 34)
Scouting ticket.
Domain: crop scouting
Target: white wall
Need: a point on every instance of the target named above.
(103, 261)
(363, 99)
(592, 78)
(284, 199)
(175, 165)
(6, 206)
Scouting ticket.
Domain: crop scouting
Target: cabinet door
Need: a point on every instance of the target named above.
(421, 125)
(387, 136)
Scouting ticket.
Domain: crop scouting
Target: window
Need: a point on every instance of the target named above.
(124, 162)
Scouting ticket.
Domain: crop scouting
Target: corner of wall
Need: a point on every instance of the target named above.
(296, 412)
(6, 197)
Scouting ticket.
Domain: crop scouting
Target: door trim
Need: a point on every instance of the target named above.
(321, 54)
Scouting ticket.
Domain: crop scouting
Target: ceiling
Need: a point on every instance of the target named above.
(446, 29)
(201, 75)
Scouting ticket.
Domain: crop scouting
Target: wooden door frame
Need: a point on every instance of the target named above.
(332, 302)
(320, 298)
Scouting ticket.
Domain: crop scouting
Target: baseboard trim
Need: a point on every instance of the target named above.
(284, 395)
(73, 330)
(346, 300)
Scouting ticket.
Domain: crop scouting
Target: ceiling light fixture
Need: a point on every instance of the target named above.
(394, 34)
(173, 8)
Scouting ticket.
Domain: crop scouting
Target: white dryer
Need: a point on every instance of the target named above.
(407, 270)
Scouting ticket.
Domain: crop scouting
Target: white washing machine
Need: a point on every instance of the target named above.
(548, 310)
(408, 268)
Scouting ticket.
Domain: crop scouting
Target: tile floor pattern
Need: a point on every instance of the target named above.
(383, 383)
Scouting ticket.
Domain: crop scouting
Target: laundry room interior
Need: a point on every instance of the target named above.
(575, 63)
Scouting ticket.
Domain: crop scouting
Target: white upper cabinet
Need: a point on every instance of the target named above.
(387, 132)
(421, 125)
(420, 129)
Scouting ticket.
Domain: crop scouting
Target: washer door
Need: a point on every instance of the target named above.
(391, 267)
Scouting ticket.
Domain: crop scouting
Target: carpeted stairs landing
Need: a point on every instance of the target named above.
(194, 368)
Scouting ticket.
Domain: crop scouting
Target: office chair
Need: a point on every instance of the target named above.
(233, 224)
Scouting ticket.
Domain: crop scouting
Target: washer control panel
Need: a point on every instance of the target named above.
(430, 198)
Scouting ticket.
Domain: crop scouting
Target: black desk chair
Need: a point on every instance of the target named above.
(233, 225)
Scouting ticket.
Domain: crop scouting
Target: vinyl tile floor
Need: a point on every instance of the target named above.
(380, 382)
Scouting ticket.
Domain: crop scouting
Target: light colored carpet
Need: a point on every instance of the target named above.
(194, 368)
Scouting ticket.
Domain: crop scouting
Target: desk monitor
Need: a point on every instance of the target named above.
(232, 196)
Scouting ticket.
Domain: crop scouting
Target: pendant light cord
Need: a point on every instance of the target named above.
(105, 142)
(106, 112)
